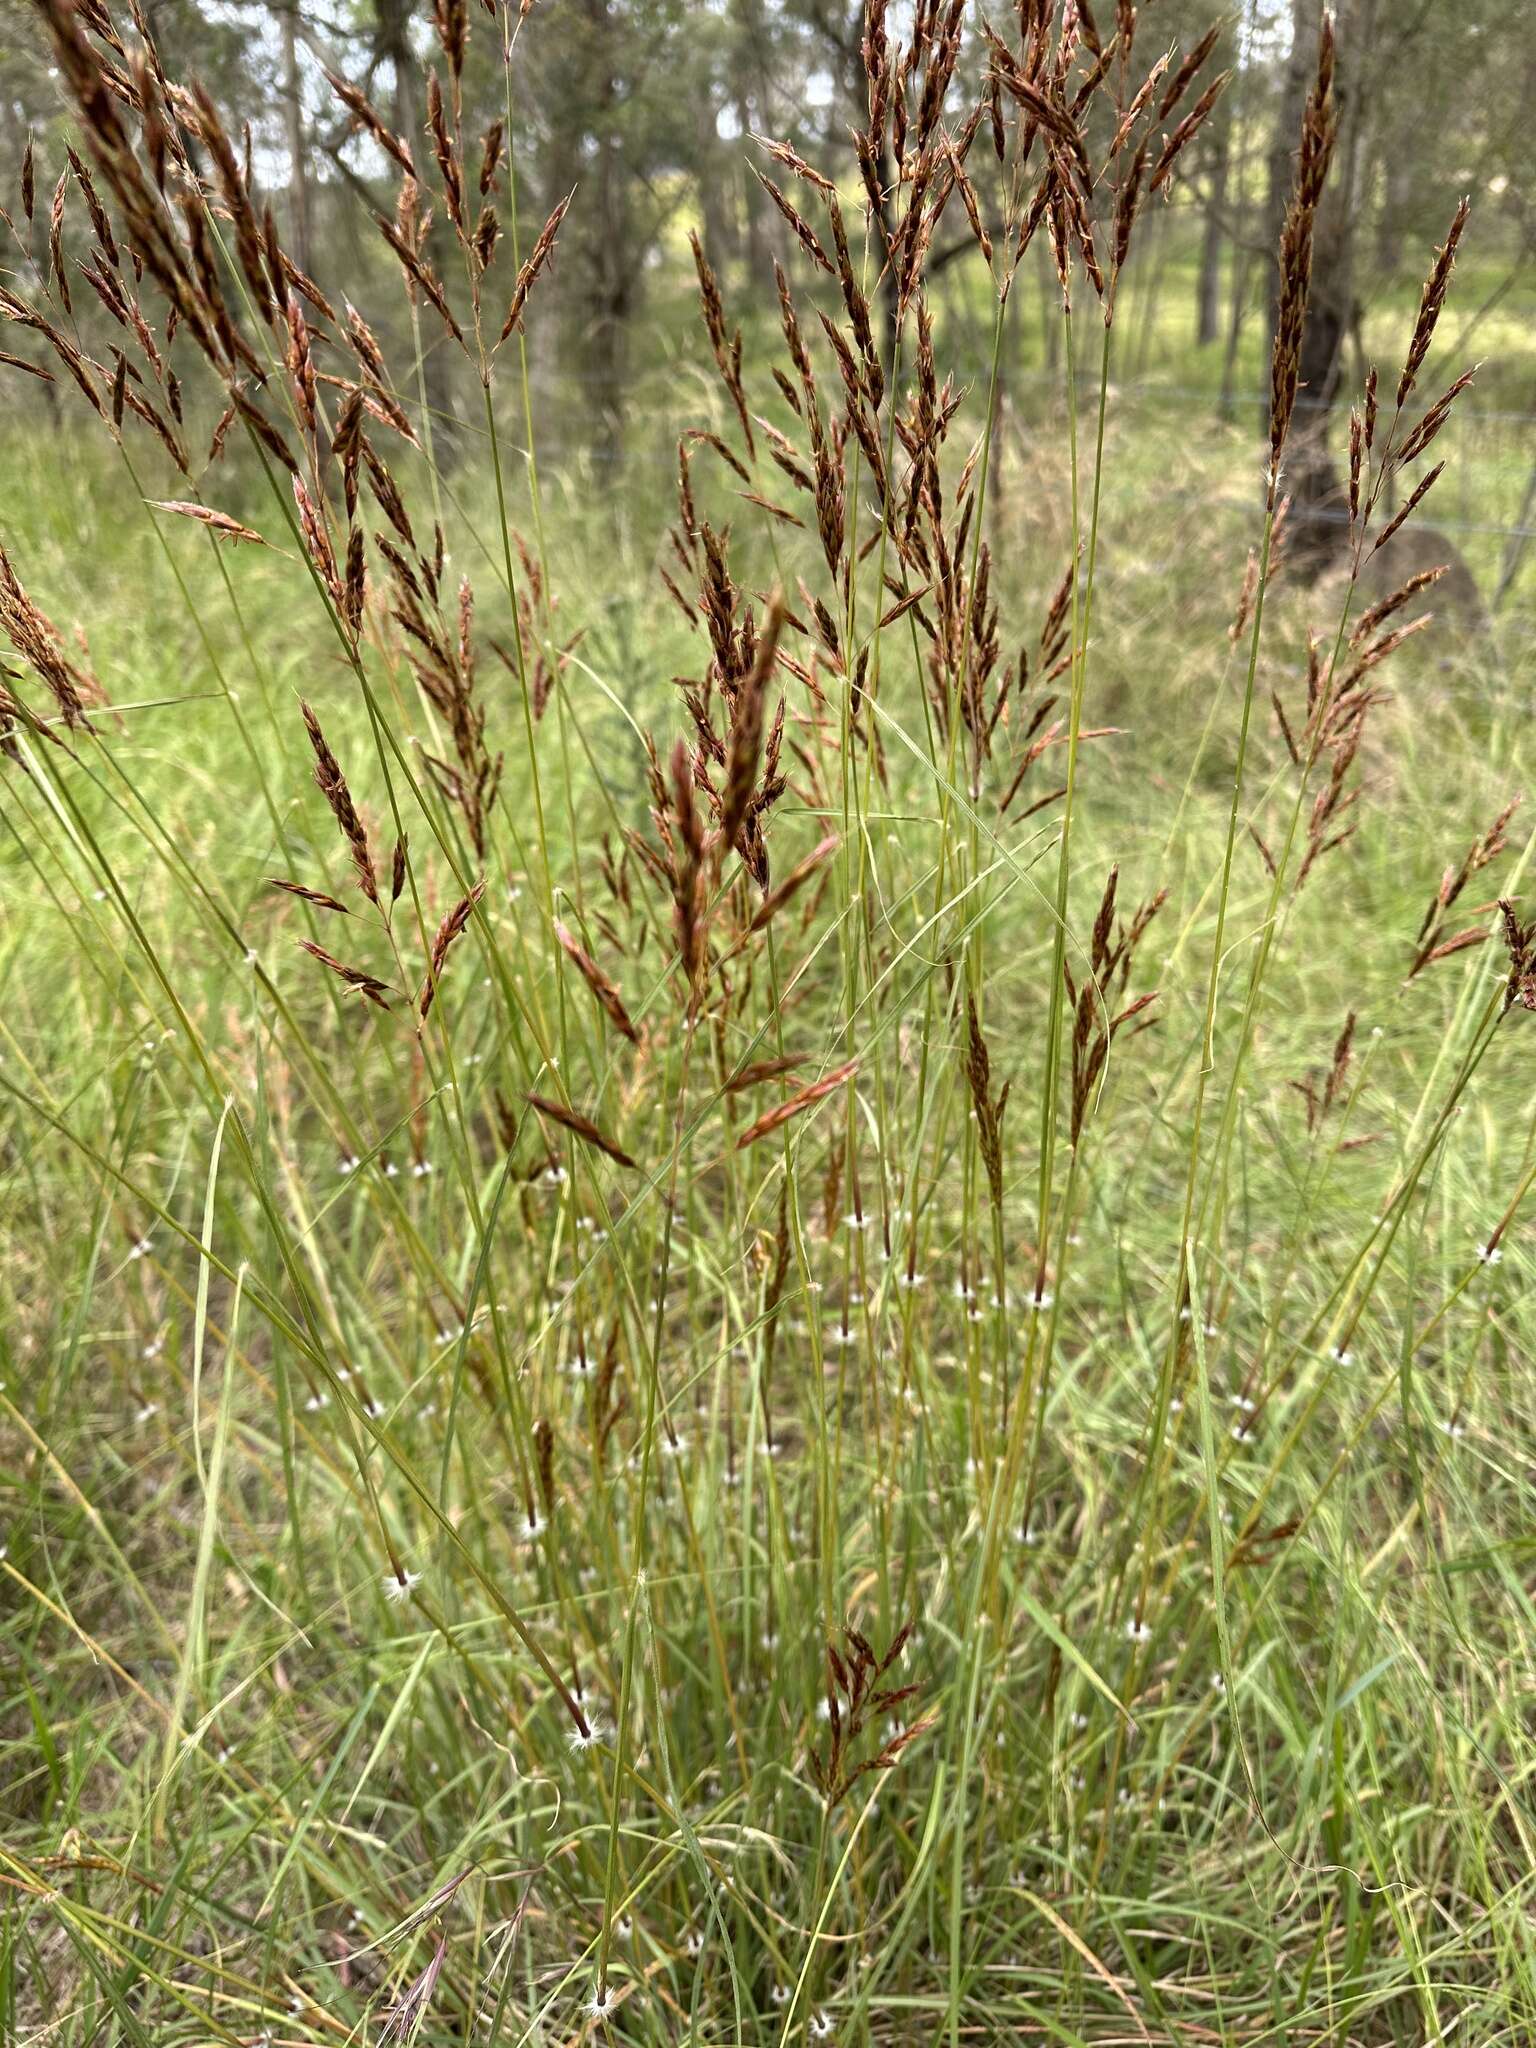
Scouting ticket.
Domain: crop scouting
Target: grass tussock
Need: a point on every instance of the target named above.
(790, 1309)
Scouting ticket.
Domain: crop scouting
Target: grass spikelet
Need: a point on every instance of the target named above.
(797, 1104)
(220, 524)
(1318, 130)
(605, 990)
(36, 639)
(989, 1108)
(315, 896)
(745, 744)
(581, 1127)
(332, 785)
(1431, 301)
(528, 276)
(448, 932)
(367, 985)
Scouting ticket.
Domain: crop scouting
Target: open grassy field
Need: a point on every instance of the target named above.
(765, 1278)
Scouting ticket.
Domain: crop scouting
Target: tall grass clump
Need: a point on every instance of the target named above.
(825, 1346)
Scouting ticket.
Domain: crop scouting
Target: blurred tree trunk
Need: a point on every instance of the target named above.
(394, 46)
(714, 175)
(601, 244)
(1282, 147)
(611, 281)
(1397, 199)
(750, 99)
(1516, 543)
(1208, 323)
(1237, 314)
(393, 43)
(1153, 257)
(301, 239)
(1319, 508)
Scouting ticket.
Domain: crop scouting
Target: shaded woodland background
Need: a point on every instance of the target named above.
(647, 110)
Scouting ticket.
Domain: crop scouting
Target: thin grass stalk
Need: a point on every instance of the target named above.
(1213, 979)
(642, 1537)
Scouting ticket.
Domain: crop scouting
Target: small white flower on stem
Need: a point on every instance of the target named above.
(581, 1739)
(1137, 1630)
(1489, 1254)
(602, 2002)
(821, 2026)
(399, 1585)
